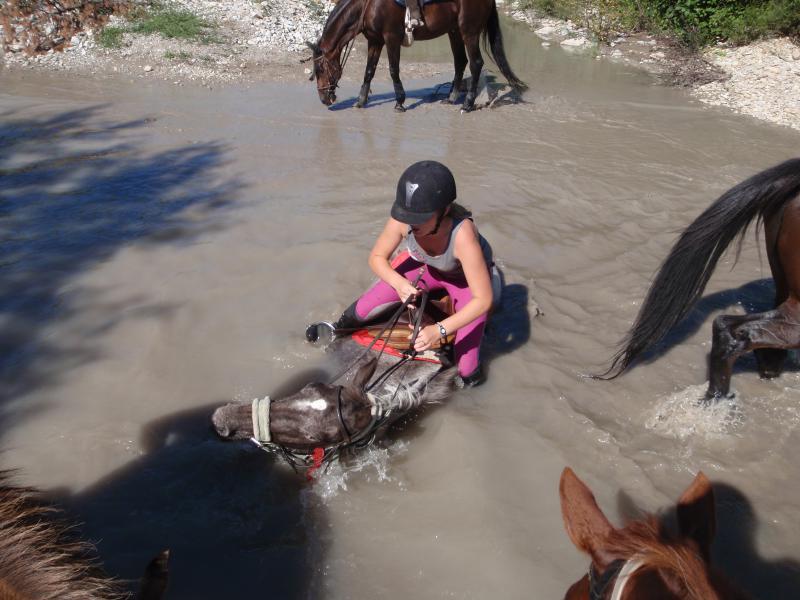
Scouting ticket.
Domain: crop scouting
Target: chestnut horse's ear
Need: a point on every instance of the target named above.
(696, 514)
(363, 375)
(585, 523)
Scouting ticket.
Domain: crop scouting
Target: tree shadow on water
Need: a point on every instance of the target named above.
(75, 188)
(232, 517)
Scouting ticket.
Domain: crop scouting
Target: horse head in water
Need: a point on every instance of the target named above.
(382, 23)
(326, 416)
(642, 561)
(327, 70)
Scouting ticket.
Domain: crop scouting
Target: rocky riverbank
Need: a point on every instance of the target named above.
(251, 40)
(761, 79)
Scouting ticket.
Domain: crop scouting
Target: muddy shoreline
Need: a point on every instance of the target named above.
(265, 41)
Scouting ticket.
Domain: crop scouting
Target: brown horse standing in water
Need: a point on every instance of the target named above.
(771, 197)
(642, 561)
(382, 23)
(40, 558)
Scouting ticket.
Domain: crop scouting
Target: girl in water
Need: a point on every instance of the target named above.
(442, 240)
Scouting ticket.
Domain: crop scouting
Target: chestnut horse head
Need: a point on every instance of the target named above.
(642, 561)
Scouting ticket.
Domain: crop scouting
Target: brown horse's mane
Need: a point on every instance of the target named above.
(678, 559)
(351, 11)
(41, 557)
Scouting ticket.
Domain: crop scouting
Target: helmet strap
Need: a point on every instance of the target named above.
(440, 217)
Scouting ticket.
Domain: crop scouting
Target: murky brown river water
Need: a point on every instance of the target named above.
(163, 248)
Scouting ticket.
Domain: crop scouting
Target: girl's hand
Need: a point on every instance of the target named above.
(406, 290)
(426, 338)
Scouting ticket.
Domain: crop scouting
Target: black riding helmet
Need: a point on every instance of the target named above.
(424, 190)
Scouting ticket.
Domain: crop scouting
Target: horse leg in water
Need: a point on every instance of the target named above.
(393, 52)
(374, 49)
(735, 335)
(771, 333)
(459, 62)
(475, 66)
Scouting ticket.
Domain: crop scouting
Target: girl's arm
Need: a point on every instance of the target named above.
(385, 245)
(468, 252)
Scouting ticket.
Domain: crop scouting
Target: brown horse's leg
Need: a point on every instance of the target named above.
(771, 360)
(459, 62)
(393, 52)
(373, 55)
(475, 66)
(735, 335)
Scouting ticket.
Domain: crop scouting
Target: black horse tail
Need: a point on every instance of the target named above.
(683, 275)
(495, 36)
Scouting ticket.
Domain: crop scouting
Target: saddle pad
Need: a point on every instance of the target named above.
(402, 3)
(364, 338)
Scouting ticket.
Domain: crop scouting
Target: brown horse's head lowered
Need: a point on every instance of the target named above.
(327, 70)
(642, 561)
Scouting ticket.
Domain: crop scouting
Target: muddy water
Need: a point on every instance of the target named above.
(163, 247)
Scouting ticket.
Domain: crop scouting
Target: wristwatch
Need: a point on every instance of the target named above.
(442, 330)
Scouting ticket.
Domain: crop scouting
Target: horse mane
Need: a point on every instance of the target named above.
(350, 11)
(677, 558)
(41, 556)
(414, 394)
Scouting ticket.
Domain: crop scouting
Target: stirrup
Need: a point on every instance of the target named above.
(408, 38)
(315, 331)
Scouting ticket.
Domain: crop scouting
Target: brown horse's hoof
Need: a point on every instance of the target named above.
(399, 108)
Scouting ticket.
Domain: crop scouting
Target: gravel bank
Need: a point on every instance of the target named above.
(255, 40)
(248, 40)
(761, 80)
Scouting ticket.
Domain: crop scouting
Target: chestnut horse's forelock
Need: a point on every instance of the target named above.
(677, 560)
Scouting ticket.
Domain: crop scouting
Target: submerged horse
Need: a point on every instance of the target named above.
(771, 197)
(643, 561)
(381, 386)
(381, 22)
(40, 557)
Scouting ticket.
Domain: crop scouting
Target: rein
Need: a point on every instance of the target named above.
(619, 571)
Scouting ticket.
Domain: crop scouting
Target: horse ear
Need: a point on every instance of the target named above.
(585, 523)
(363, 375)
(696, 514)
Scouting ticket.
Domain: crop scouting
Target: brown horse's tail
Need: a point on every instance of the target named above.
(495, 39)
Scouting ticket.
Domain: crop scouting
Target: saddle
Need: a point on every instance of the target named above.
(395, 340)
(422, 3)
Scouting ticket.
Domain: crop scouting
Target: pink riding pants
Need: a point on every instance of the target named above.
(468, 339)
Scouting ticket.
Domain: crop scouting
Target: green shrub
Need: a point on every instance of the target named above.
(171, 23)
(110, 37)
(696, 22)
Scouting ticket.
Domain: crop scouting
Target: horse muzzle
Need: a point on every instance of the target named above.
(233, 421)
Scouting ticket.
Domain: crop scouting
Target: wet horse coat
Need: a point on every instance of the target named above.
(374, 393)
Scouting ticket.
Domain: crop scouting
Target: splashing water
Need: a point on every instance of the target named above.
(374, 462)
(683, 415)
